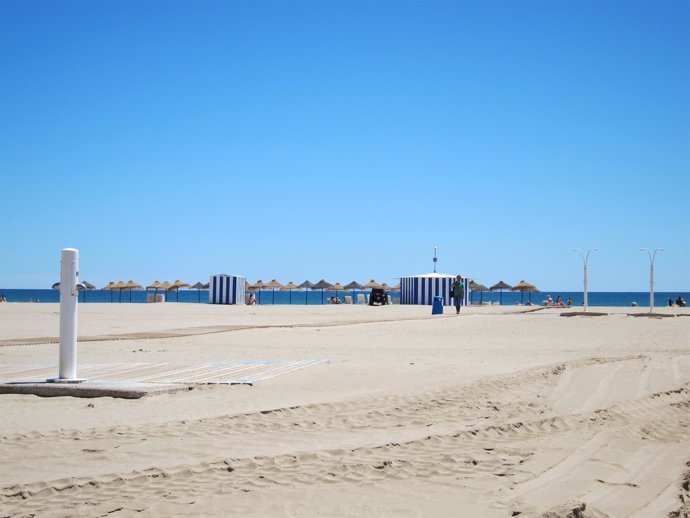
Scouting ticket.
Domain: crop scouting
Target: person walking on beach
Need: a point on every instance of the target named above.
(458, 290)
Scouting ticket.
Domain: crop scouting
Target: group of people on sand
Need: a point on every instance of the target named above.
(680, 302)
(334, 300)
(558, 303)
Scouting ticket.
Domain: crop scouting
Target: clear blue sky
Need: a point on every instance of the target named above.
(345, 139)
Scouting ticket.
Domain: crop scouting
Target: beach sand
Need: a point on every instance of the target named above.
(503, 411)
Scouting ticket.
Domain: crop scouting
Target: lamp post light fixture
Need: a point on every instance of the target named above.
(652, 256)
(585, 259)
(435, 258)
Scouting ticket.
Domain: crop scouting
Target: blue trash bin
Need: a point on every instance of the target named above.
(437, 307)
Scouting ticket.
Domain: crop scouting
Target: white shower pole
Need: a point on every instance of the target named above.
(69, 296)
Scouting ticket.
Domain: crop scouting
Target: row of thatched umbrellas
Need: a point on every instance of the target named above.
(522, 287)
(121, 286)
(321, 285)
(155, 285)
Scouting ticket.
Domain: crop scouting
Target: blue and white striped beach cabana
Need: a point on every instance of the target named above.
(226, 289)
(421, 289)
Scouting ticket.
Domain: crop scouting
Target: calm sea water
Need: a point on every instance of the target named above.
(597, 298)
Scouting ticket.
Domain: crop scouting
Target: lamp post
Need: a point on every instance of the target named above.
(651, 255)
(435, 258)
(585, 259)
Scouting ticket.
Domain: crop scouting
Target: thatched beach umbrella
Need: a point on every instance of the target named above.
(176, 286)
(289, 287)
(322, 285)
(198, 287)
(109, 287)
(257, 286)
(371, 284)
(131, 285)
(522, 287)
(306, 285)
(500, 285)
(480, 288)
(155, 285)
(353, 286)
(273, 285)
(119, 286)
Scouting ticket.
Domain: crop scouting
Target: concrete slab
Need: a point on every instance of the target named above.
(92, 389)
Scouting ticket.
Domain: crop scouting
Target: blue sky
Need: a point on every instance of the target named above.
(345, 139)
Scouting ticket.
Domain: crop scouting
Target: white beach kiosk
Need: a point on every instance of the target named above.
(421, 289)
(226, 289)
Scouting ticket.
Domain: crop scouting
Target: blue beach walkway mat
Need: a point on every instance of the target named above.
(226, 289)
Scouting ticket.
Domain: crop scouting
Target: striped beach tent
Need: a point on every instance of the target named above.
(421, 289)
(226, 289)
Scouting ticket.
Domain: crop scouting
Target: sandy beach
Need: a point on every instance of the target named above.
(503, 411)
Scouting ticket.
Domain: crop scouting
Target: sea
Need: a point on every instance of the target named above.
(316, 297)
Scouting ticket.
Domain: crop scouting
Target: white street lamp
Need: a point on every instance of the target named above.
(651, 255)
(585, 259)
(435, 258)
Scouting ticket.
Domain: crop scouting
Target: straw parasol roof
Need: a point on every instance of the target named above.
(198, 287)
(110, 287)
(155, 285)
(273, 285)
(306, 285)
(322, 285)
(396, 287)
(500, 285)
(522, 287)
(118, 286)
(289, 287)
(480, 288)
(176, 286)
(131, 285)
(353, 286)
(371, 284)
(338, 287)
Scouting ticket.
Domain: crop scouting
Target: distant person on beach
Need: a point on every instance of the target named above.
(634, 304)
(680, 302)
(548, 301)
(251, 301)
(559, 301)
(570, 302)
(2, 298)
(670, 302)
(458, 290)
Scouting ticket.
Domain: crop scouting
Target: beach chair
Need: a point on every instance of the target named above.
(361, 299)
(390, 299)
(348, 299)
